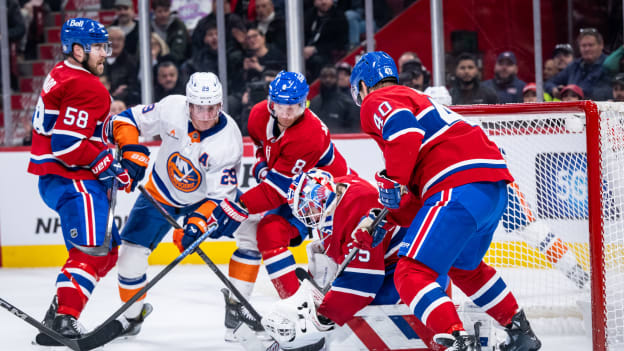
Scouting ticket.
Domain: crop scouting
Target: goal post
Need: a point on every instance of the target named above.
(560, 244)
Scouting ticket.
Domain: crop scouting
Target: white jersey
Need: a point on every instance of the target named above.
(191, 165)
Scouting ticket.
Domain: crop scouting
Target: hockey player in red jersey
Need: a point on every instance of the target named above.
(340, 209)
(461, 177)
(290, 139)
(76, 169)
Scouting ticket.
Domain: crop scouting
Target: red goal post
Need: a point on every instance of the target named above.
(567, 207)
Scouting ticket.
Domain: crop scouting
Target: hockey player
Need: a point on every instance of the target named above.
(194, 175)
(340, 211)
(290, 139)
(76, 169)
(461, 177)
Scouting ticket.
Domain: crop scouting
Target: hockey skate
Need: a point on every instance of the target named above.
(458, 341)
(50, 313)
(235, 314)
(65, 325)
(520, 337)
(134, 324)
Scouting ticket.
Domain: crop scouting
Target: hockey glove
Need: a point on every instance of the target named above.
(389, 190)
(260, 170)
(227, 217)
(135, 160)
(364, 240)
(106, 169)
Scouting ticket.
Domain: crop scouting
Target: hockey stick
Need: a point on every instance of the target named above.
(102, 250)
(354, 251)
(203, 256)
(86, 342)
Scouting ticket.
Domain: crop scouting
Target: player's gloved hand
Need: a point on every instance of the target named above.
(106, 169)
(364, 240)
(389, 190)
(260, 170)
(227, 217)
(135, 160)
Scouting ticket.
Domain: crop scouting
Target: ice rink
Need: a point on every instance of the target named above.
(188, 311)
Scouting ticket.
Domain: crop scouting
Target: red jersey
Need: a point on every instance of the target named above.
(426, 146)
(358, 285)
(68, 123)
(304, 145)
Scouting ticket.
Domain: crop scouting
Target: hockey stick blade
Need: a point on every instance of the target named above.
(302, 275)
(87, 342)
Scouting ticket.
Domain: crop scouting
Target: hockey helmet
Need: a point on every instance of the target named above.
(311, 197)
(203, 91)
(370, 69)
(85, 32)
(288, 88)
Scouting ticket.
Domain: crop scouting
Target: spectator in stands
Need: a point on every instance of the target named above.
(354, 13)
(105, 82)
(407, 56)
(529, 93)
(326, 34)
(167, 81)
(245, 9)
(505, 83)
(333, 107)
(125, 20)
(120, 68)
(572, 92)
(344, 75)
(613, 62)
(414, 75)
(563, 55)
(260, 57)
(171, 29)
(466, 88)
(255, 92)
(617, 84)
(550, 69)
(117, 107)
(17, 29)
(272, 26)
(586, 71)
(235, 28)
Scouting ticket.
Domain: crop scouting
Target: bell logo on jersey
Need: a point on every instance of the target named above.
(182, 173)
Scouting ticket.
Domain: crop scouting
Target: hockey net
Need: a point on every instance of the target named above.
(560, 244)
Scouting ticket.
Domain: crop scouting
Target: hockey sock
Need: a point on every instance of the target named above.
(418, 288)
(131, 275)
(484, 286)
(78, 278)
(280, 263)
(243, 270)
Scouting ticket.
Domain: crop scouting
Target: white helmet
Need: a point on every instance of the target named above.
(204, 88)
(312, 196)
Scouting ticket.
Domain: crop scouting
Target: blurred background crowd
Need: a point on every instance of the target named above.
(184, 40)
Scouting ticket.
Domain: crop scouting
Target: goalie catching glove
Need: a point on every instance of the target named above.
(365, 240)
(227, 217)
(294, 323)
(135, 159)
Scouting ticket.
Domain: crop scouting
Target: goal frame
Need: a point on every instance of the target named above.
(594, 175)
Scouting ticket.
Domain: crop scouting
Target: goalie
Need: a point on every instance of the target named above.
(340, 212)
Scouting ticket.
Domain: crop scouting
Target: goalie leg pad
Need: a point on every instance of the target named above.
(132, 276)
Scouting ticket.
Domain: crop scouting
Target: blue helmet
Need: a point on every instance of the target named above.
(288, 88)
(371, 68)
(83, 31)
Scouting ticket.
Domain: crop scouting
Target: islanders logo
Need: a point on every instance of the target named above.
(183, 175)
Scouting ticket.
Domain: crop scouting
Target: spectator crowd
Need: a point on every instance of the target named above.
(256, 47)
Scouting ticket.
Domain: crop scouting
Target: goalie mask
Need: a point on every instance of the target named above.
(312, 197)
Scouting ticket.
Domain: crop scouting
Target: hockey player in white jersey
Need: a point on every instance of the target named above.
(194, 175)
